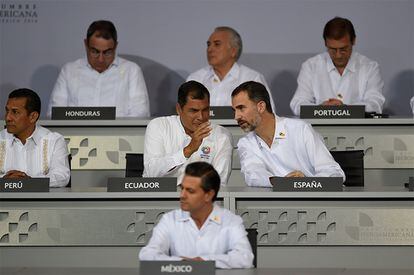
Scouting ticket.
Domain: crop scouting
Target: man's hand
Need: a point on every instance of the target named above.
(295, 174)
(15, 174)
(197, 137)
(197, 259)
(332, 102)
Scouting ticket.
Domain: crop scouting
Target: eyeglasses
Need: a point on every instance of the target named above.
(95, 53)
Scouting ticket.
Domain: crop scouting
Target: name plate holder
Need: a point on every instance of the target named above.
(24, 185)
(83, 113)
(307, 184)
(135, 184)
(177, 267)
(221, 112)
(343, 111)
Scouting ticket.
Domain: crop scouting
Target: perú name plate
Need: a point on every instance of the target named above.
(343, 111)
(24, 185)
(134, 184)
(307, 184)
(83, 113)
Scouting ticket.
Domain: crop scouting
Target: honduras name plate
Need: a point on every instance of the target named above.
(83, 113)
(221, 112)
(167, 184)
(24, 185)
(343, 111)
(177, 267)
(307, 184)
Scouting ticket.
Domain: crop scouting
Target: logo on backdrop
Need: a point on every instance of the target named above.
(17, 12)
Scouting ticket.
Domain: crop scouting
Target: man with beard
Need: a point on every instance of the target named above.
(200, 230)
(340, 76)
(172, 142)
(276, 146)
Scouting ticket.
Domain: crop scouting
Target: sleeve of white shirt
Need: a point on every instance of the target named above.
(322, 161)
(239, 254)
(223, 160)
(260, 78)
(252, 167)
(304, 93)
(138, 106)
(59, 96)
(372, 96)
(156, 162)
(158, 246)
(59, 172)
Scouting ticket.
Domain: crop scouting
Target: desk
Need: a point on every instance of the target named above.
(357, 228)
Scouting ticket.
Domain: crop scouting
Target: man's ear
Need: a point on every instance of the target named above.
(210, 195)
(261, 106)
(178, 109)
(85, 42)
(33, 116)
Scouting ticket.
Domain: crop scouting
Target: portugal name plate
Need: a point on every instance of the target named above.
(142, 184)
(177, 267)
(221, 112)
(83, 113)
(24, 185)
(343, 111)
(307, 184)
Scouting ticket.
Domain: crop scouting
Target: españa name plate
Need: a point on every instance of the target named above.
(177, 267)
(343, 111)
(24, 185)
(221, 112)
(83, 113)
(307, 184)
(134, 184)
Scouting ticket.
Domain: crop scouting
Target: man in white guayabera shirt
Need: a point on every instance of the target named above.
(200, 230)
(277, 146)
(172, 142)
(102, 78)
(223, 73)
(27, 149)
(341, 75)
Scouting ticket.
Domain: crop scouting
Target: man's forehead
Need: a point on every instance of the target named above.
(191, 182)
(16, 103)
(219, 36)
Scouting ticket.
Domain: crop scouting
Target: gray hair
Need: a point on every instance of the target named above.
(235, 39)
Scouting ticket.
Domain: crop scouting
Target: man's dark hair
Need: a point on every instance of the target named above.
(102, 28)
(210, 179)
(33, 103)
(256, 91)
(192, 89)
(337, 28)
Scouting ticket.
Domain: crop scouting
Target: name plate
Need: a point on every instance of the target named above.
(78, 113)
(24, 185)
(167, 184)
(177, 267)
(344, 111)
(221, 112)
(307, 184)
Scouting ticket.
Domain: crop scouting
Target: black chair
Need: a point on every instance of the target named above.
(252, 236)
(70, 170)
(352, 163)
(134, 165)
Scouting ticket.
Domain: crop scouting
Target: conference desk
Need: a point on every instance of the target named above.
(100, 146)
(356, 228)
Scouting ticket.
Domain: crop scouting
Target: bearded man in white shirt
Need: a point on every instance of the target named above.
(200, 230)
(102, 78)
(172, 142)
(340, 76)
(277, 146)
(27, 149)
(224, 48)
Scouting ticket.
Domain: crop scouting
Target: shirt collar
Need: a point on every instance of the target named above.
(215, 215)
(234, 72)
(280, 131)
(180, 125)
(351, 66)
(35, 136)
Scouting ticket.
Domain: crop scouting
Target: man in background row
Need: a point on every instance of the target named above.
(340, 76)
(172, 142)
(102, 78)
(277, 146)
(224, 74)
(27, 149)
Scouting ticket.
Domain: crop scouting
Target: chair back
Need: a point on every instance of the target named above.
(134, 165)
(252, 236)
(352, 163)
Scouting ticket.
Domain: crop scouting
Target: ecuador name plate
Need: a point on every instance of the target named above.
(167, 184)
(221, 112)
(343, 111)
(177, 267)
(83, 113)
(307, 184)
(24, 185)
